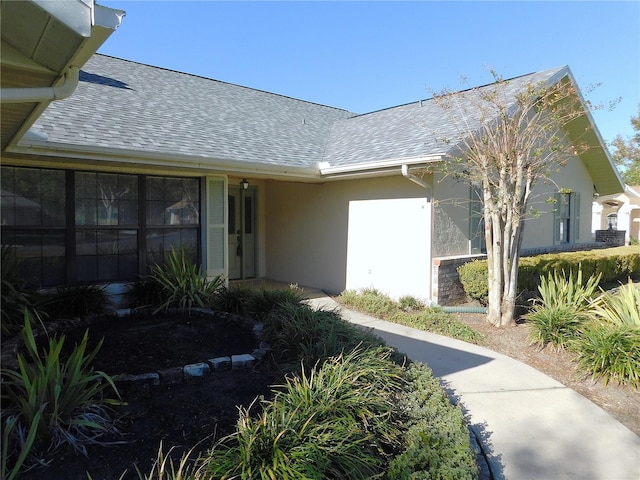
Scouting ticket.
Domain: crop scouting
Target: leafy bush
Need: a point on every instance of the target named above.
(408, 303)
(611, 353)
(555, 325)
(431, 319)
(180, 283)
(474, 277)
(621, 308)
(562, 290)
(371, 301)
(49, 401)
(612, 264)
(436, 439)
(267, 299)
(233, 299)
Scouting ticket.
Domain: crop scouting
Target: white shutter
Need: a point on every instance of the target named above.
(216, 240)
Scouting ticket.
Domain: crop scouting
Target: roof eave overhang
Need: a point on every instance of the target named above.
(377, 169)
(103, 22)
(606, 178)
(33, 151)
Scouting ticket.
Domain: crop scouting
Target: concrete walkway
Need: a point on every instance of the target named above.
(530, 426)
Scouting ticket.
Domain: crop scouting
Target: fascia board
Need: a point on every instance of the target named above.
(150, 160)
(566, 71)
(110, 20)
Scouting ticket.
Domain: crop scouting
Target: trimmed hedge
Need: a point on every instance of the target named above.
(613, 263)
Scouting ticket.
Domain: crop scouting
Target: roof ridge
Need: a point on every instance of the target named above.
(476, 87)
(221, 81)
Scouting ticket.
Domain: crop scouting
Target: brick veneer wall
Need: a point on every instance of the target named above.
(447, 289)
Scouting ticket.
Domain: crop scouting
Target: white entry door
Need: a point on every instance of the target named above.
(242, 233)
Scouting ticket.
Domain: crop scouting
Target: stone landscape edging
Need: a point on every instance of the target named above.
(166, 376)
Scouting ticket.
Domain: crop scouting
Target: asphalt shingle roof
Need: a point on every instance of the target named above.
(412, 130)
(126, 105)
(121, 104)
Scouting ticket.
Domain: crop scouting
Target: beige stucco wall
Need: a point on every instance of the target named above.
(574, 176)
(451, 214)
(307, 227)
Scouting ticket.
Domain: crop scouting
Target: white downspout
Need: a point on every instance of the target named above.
(414, 179)
(42, 94)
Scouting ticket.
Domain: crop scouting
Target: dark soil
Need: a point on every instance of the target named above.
(178, 417)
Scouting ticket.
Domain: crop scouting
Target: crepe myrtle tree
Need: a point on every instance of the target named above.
(507, 142)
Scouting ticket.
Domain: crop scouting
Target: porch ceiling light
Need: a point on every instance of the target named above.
(244, 183)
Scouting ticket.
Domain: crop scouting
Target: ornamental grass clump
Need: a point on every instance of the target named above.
(298, 334)
(563, 307)
(609, 348)
(50, 400)
(620, 308)
(335, 422)
(610, 352)
(179, 283)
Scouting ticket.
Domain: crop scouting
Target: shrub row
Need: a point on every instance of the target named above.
(612, 264)
(410, 312)
(352, 409)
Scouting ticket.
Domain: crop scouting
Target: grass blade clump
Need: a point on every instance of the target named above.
(332, 423)
(410, 312)
(620, 308)
(56, 400)
(611, 352)
(563, 307)
(179, 283)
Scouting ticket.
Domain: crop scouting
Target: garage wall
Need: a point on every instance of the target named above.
(310, 239)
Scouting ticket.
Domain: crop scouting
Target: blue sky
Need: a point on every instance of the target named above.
(365, 56)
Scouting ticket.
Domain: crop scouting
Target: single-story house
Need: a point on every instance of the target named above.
(254, 184)
(617, 216)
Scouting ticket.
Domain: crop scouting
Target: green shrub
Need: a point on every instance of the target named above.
(612, 264)
(73, 301)
(562, 308)
(620, 308)
(436, 440)
(49, 401)
(475, 280)
(431, 319)
(555, 325)
(265, 300)
(408, 303)
(233, 299)
(299, 334)
(371, 301)
(332, 423)
(179, 283)
(16, 297)
(611, 353)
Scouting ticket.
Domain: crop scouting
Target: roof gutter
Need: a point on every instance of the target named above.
(36, 144)
(374, 168)
(43, 94)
